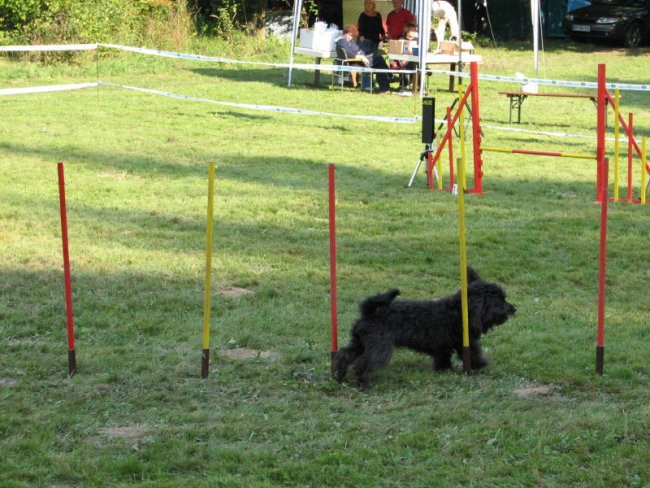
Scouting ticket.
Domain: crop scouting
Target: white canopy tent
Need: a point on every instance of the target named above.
(422, 11)
(534, 18)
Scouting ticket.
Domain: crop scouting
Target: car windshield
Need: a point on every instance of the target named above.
(624, 3)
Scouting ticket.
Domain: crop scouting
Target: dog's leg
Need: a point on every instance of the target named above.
(479, 360)
(344, 357)
(442, 359)
(376, 355)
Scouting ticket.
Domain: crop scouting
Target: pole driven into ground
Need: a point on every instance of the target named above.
(602, 268)
(207, 289)
(333, 295)
(467, 363)
(72, 359)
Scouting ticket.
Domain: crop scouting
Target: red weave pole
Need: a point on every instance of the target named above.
(630, 155)
(476, 130)
(72, 363)
(600, 128)
(602, 268)
(333, 297)
(451, 154)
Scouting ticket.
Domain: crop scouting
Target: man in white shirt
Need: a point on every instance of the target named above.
(446, 15)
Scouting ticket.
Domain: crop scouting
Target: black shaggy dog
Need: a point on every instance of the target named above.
(432, 327)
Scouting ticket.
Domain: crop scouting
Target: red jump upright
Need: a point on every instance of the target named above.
(476, 131)
(600, 130)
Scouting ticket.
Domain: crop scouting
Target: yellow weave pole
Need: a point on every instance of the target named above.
(644, 173)
(467, 362)
(617, 111)
(207, 290)
(461, 135)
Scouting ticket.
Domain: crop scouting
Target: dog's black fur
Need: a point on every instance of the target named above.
(431, 327)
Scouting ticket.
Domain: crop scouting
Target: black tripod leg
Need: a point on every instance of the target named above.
(417, 168)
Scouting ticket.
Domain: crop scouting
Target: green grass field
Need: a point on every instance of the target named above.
(138, 414)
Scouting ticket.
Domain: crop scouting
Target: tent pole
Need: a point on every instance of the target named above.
(297, 8)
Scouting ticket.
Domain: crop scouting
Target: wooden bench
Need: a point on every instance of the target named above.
(517, 99)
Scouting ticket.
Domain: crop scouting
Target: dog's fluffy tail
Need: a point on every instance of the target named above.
(378, 304)
(472, 275)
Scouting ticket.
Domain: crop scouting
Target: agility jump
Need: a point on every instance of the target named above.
(604, 99)
(473, 93)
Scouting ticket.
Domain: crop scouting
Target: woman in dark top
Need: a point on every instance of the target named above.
(371, 28)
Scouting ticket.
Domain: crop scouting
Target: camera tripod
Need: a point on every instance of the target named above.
(428, 149)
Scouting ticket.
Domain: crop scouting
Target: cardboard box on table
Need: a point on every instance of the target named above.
(396, 46)
(451, 47)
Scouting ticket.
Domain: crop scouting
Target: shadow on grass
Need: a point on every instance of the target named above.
(292, 172)
(301, 79)
(242, 115)
(274, 76)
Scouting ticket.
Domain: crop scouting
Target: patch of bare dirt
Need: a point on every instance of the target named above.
(534, 391)
(132, 434)
(117, 176)
(8, 381)
(233, 291)
(246, 353)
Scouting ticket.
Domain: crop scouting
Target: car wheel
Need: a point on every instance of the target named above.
(633, 36)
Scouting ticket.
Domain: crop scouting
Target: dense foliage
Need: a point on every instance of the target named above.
(166, 22)
(80, 21)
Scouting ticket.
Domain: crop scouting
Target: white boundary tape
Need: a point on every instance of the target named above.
(573, 84)
(43, 89)
(269, 108)
(329, 67)
(321, 67)
(266, 108)
(197, 57)
(402, 120)
(50, 47)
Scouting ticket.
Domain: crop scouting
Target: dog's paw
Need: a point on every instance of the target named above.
(442, 365)
(362, 385)
(480, 362)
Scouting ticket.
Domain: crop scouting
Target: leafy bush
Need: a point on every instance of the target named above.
(80, 21)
